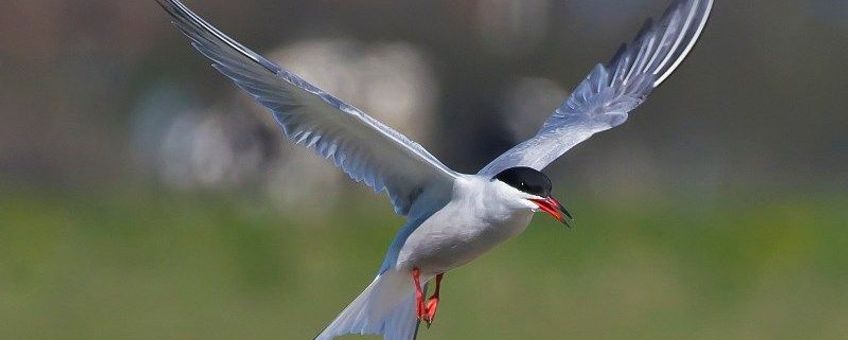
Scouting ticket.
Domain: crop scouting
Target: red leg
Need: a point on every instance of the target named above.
(419, 294)
(433, 302)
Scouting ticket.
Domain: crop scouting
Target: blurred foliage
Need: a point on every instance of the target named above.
(134, 263)
(717, 212)
(760, 101)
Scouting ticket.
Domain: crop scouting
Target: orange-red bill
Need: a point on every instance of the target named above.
(552, 207)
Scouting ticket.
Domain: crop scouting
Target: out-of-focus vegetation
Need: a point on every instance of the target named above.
(143, 197)
(139, 264)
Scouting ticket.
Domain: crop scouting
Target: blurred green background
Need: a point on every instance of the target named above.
(143, 197)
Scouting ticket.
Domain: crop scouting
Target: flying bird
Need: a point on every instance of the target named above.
(451, 218)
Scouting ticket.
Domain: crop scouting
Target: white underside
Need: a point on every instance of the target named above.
(479, 215)
(471, 224)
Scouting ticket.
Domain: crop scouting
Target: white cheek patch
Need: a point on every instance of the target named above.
(531, 205)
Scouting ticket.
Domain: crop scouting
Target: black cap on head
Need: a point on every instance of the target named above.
(527, 180)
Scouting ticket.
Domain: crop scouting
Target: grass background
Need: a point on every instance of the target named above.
(136, 263)
(717, 212)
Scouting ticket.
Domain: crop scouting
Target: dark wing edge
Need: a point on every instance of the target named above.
(364, 148)
(605, 97)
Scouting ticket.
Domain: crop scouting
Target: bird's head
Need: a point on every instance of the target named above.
(533, 189)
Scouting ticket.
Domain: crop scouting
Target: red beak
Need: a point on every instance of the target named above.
(551, 206)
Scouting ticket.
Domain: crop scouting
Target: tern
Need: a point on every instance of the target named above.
(452, 218)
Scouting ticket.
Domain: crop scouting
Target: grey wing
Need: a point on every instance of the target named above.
(365, 149)
(604, 99)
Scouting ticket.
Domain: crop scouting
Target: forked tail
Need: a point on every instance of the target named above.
(386, 306)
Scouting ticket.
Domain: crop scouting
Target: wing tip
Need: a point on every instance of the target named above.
(194, 26)
(702, 9)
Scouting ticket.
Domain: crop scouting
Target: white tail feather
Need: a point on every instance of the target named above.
(386, 306)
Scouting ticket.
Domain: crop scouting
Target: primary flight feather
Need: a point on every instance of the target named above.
(367, 150)
(452, 218)
(604, 99)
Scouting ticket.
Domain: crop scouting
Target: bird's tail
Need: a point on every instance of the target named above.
(386, 306)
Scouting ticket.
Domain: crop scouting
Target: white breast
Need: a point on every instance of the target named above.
(480, 216)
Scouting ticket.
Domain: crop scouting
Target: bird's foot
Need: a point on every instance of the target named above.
(426, 311)
(433, 303)
(430, 310)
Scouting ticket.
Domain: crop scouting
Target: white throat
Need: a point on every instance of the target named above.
(480, 215)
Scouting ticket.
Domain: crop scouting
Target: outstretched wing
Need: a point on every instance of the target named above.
(604, 99)
(367, 150)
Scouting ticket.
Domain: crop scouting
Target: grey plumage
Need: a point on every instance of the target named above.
(364, 148)
(453, 218)
(604, 99)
